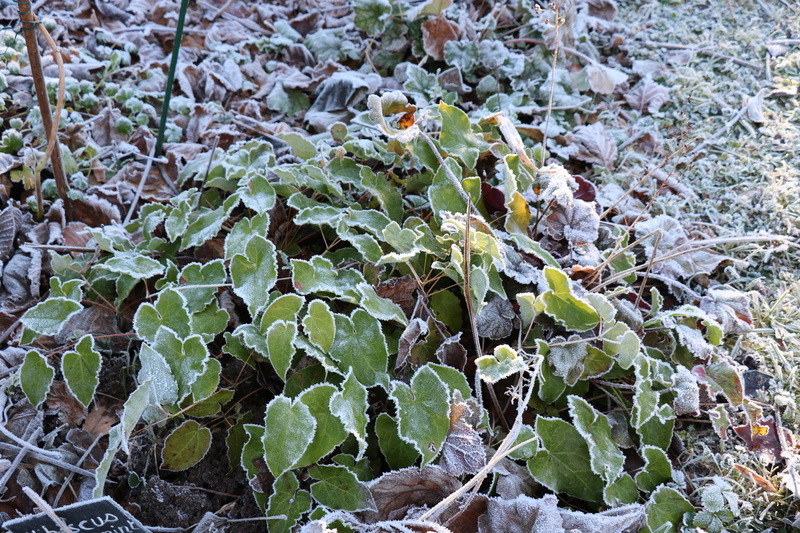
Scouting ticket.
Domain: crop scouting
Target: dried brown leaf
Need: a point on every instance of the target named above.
(595, 145)
(603, 9)
(761, 481)
(436, 32)
(648, 95)
(61, 401)
(10, 223)
(395, 492)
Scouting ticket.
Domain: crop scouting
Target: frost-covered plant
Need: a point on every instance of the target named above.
(375, 377)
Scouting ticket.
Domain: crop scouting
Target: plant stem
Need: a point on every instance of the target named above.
(176, 48)
(29, 24)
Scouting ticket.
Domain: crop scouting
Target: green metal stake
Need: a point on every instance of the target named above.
(176, 48)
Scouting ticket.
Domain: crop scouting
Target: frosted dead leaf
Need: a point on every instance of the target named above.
(647, 95)
(683, 262)
(435, 33)
(755, 108)
(463, 451)
(604, 79)
(730, 307)
(544, 515)
(409, 338)
(687, 390)
(604, 9)
(496, 319)
(595, 145)
(578, 223)
(395, 492)
(8, 162)
(10, 222)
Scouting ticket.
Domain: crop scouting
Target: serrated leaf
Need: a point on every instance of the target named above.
(527, 451)
(280, 346)
(359, 344)
(563, 306)
(384, 191)
(656, 470)
(206, 223)
(209, 322)
(47, 317)
(397, 452)
(185, 447)
(133, 264)
(563, 464)
(211, 273)
(211, 405)
(255, 272)
(622, 344)
(330, 430)
(252, 450)
(645, 401)
(156, 370)
(285, 307)
(457, 137)
(168, 310)
(339, 488)
(132, 411)
(81, 370)
(320, 276)
(371, 15)
(242, 231)
(178, 220)
(350, 406)
(71, 290)
(606, 459)
(443, 193)
(657, 432)
(101, 472)
(380, 308)
(453, 378)
(503, 363)
(289, 431)
(206, 383)
(621, 492)
(35, 377)
(567, 358)
(666, 509)
(288, 500)
(423, 412)
(319, 325)
(186, 358)
(257, 194)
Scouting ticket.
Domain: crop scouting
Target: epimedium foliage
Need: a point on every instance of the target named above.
(394, 288)
(390, 285)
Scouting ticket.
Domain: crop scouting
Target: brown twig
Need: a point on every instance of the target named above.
(29, 25)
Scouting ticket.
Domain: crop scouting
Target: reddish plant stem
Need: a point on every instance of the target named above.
(29, 24)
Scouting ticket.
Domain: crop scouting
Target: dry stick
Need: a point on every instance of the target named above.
(67, 481)
(727, 125)
(40, 454)
(44, 506)
(140, 187)
(702, 51)
(678, 251)
(552, 91)
(20, 456)
(659, 234)
(29, 24)
(503, 450)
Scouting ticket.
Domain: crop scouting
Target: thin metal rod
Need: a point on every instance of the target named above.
(176, 48)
